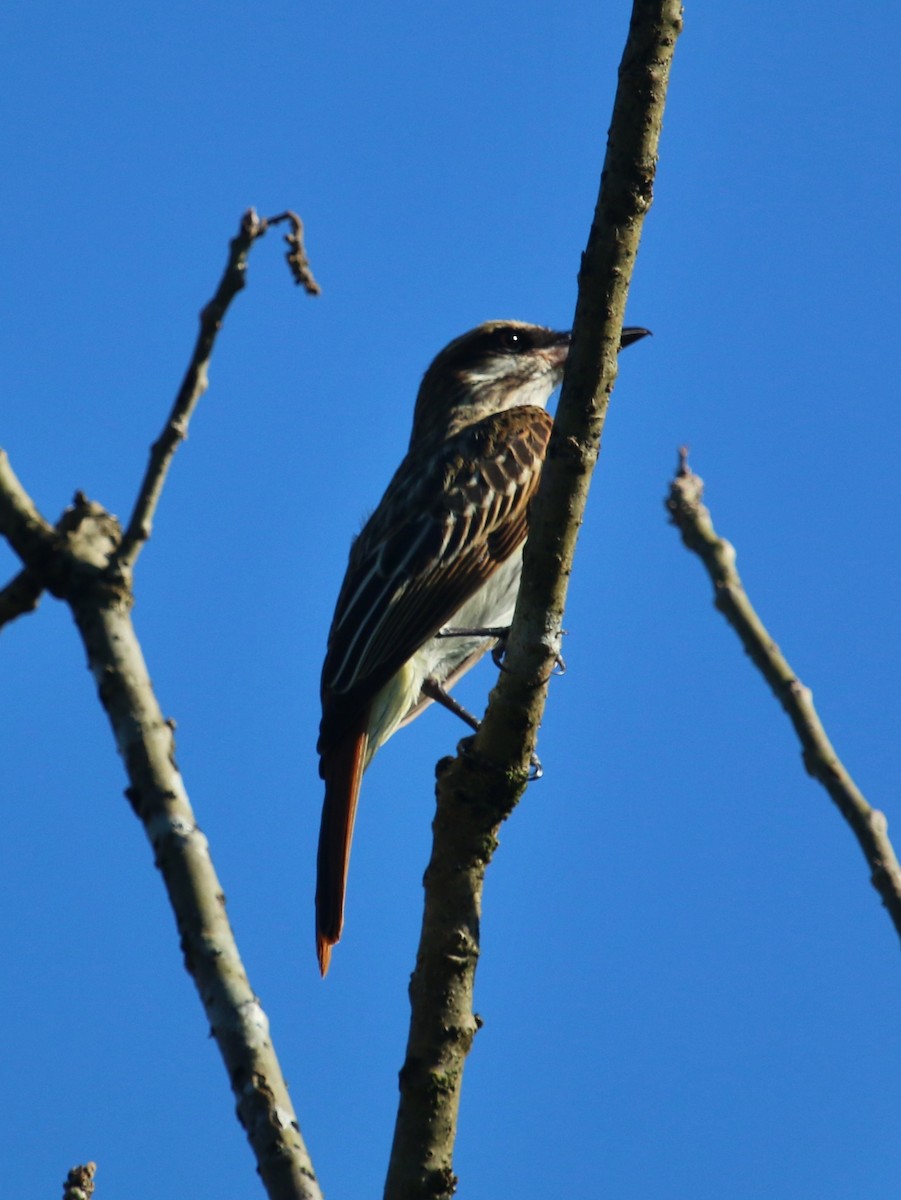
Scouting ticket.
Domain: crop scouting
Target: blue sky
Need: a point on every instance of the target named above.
(687, 982)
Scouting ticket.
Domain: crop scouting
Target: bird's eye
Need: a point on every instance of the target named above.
(512, 341)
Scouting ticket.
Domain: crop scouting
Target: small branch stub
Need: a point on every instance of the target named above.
(79, 1183)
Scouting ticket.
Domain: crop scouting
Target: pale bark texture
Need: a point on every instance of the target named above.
(87, 562)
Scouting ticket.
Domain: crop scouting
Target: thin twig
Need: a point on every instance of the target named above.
(195, 382)
(298, 262)
(478, 789)
(869, 826)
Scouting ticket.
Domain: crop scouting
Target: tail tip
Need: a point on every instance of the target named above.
(323, 953)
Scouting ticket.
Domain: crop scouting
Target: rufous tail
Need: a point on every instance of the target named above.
(342, 770)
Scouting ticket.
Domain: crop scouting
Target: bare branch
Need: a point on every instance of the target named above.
(20, 596)
(78, 564)
(53, 557)
(86, 562)
(31, 536)
(194, 384)
(868, 825)
(478, 789)
(158, 797)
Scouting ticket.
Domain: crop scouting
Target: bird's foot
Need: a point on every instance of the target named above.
(433, 689)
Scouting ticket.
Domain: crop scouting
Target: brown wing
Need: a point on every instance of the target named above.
(441, 530)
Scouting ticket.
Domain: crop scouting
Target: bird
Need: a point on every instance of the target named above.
(434, 573)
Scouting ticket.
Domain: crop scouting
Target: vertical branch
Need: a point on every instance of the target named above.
(477, 790)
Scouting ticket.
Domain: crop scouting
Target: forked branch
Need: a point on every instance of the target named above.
(86, 561)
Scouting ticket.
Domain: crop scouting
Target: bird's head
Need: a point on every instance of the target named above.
(497, 365)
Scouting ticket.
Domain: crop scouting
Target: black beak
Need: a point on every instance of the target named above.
(633, 333)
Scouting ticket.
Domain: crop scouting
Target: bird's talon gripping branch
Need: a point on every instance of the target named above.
(498, 650)
(499, 632)
(434, 691)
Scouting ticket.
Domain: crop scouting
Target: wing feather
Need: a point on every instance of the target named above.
(441, 530)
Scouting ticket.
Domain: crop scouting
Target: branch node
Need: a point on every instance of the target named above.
(79, 1183)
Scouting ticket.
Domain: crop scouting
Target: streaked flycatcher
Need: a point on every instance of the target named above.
(443, 550)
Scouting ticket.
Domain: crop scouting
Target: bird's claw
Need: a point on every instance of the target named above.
(498, 650)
